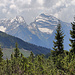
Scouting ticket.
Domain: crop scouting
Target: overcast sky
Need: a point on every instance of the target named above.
(29, 9)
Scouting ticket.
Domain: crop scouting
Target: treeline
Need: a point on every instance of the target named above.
(59, 62)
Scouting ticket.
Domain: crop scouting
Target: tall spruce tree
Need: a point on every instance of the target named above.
(17, 52)
(72, 40)
(58, 44)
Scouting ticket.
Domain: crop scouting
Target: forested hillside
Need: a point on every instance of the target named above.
(8, 41)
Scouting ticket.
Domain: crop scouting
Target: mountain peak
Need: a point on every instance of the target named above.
(45, 15)
(20, 19)
(46, 18)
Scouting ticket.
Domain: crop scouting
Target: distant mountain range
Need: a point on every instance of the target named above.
(41, 32)
(8, 41)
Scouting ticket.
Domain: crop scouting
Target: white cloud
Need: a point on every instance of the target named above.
(56, 15)
(13, 6)
(73, 2)
(27, 1)
(58, 4)
(32, 8)
(4, 10)
(2, 5)
(23, 1)
(40, 2)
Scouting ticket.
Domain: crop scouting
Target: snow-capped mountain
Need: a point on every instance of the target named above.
(16, 27)
(45, 26)
(44, 23)
(40, 32)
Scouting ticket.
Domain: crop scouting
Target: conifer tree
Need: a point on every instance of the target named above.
(7, 67)
(1, 54)
(58, 44)
(17, 52)
(32, 56)
(72, 40)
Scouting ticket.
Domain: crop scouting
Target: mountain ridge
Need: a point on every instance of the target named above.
(40, 32)
(8, 41)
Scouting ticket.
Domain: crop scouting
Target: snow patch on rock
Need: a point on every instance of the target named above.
(2, 28)
(46, 30)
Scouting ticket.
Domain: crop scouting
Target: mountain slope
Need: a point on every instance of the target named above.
(8, 41)
(40, 32)
(18, 27)
(45, 26)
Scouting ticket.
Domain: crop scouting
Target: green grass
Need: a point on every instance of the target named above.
(7, 52)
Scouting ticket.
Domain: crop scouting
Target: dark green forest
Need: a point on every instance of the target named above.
(8, 41)
(57, 62)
